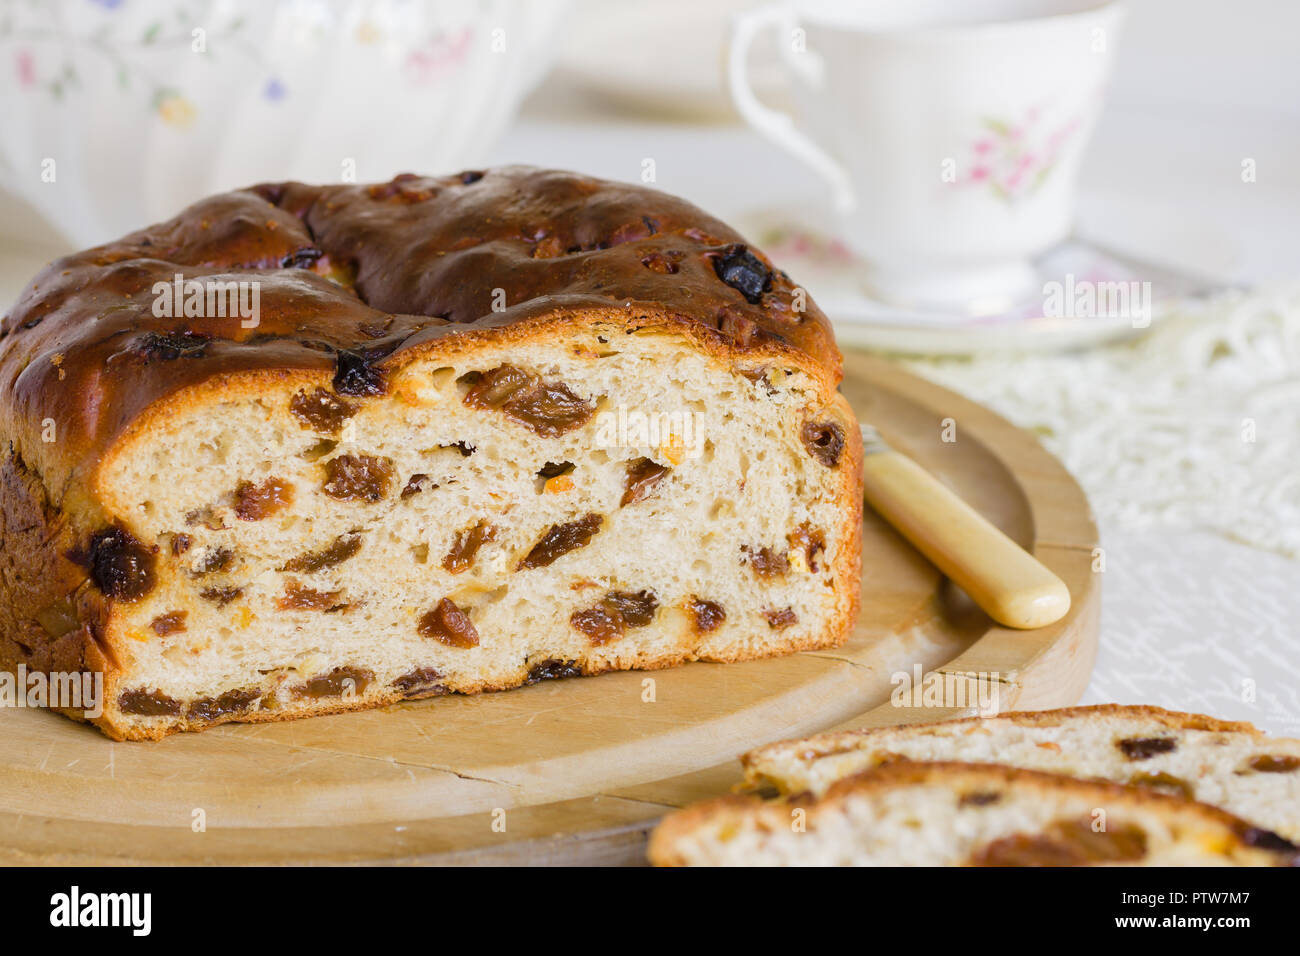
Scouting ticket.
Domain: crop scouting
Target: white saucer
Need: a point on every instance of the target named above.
(836, 280)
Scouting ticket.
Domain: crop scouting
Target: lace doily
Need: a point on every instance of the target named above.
(1194, 426)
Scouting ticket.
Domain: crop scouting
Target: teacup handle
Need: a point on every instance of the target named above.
(775, 125)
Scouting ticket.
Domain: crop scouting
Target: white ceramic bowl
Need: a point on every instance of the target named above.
(117, 114)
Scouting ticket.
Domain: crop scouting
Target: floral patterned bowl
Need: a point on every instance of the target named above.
(117, 114)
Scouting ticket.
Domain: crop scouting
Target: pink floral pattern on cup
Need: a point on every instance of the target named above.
(1013, 158)
(440, 55)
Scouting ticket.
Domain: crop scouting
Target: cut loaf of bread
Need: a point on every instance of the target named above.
(1230, 765)
(487, 429)
(955, 814)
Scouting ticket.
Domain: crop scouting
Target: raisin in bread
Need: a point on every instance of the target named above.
(955, 814)
(1230, 765)
(485, 429)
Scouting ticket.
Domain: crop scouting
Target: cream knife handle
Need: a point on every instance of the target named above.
(1009, 583)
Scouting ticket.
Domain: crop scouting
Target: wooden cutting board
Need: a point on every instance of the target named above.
(574, 770)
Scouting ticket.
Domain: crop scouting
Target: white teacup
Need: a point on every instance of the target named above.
(950, 133)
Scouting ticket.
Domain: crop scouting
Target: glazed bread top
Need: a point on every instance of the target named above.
(356, 280)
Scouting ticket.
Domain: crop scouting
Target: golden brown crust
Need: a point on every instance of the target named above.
(51, 619)
(961, 777)
(849, 573)
(821, 744)
(1173, 719)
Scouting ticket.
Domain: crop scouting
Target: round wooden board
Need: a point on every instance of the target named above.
(574, 770)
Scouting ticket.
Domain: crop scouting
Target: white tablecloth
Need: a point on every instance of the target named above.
(1191, 621)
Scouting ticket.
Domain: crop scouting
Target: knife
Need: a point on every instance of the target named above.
(1006, 581)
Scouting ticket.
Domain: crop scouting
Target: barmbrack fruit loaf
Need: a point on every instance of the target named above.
(1226, 763)
(956, 814)
(307, 449)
